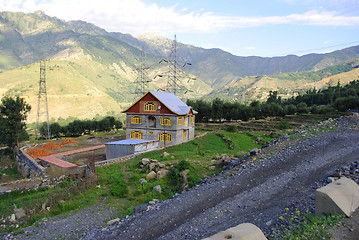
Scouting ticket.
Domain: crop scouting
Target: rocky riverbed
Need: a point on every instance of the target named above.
(258, 189)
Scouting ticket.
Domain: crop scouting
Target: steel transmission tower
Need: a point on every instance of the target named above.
(42, 107)
(142, 80)
(175, 75)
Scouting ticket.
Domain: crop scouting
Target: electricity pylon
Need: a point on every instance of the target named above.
(175, 74)
(42, 107)
(142, 80)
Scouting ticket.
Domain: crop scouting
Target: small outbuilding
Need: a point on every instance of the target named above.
(128, 147)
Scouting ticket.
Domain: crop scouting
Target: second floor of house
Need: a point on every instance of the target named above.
(160, 121)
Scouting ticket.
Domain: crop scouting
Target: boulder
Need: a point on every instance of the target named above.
(161, 165)
(145, 161)
(165, 154)
(244, 231)
(12, 218)
(338, 197)
(142, 180)
(184, 174)
(154, 161)
(152, 166)
(151, 175)
(157, 188)
(162, 173)
(211, 168)
(19, 213)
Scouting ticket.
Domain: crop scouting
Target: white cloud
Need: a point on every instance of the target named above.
(250, 48)
(137, 17)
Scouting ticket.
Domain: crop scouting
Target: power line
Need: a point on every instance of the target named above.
(175, 73)
(316, 49)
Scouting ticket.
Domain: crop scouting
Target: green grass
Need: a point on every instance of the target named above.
(306, 227)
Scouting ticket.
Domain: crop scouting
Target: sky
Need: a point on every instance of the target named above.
(264, 28)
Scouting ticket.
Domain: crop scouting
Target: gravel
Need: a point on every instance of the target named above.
(257, 190)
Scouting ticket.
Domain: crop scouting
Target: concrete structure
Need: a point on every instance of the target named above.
(338, 197)
(128, 147)
(160, 116)
(244, 231)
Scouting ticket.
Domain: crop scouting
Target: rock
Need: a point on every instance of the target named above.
(152, 166)
(12, 218)
(145, 161)
(151, 203)
(113, 221)
(165, 154)
(154, 161)
(142, 180)
(184, 174)
(151, 175)
(161, 165)
(43, 206)
(255, 151)
(157, 188)
(211, 168)
(19, 213)
(162, 173)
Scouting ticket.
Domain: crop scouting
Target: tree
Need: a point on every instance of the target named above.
(13, 114)
(55, 129)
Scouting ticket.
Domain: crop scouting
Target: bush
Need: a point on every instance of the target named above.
(283, 125)
(230, 128)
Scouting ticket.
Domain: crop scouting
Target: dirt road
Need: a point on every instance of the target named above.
(258, 194)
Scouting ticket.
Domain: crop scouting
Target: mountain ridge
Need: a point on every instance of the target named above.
(107, 63)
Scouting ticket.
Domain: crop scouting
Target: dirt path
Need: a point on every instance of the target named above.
(258, 194)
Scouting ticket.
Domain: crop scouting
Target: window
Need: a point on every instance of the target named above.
(150, 132)
(136, 135)
(165, 137)
(150, 106)
(192, 119)
(136, 120)
(180, 121)
(184, 135)
(166, 121)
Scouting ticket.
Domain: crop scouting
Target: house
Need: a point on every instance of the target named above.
(160, 116)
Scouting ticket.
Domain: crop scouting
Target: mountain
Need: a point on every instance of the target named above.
(252, 88)
(91, 71)
(217, 67)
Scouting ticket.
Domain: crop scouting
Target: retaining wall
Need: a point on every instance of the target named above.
(28, 167)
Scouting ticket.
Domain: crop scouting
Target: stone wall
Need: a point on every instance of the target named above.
(28, 167)
(29, 184)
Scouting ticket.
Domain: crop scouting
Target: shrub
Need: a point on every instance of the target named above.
(230, 128)
(283, 125)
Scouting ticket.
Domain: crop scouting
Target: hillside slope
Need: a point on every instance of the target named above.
(84, 57)
(252, 88)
